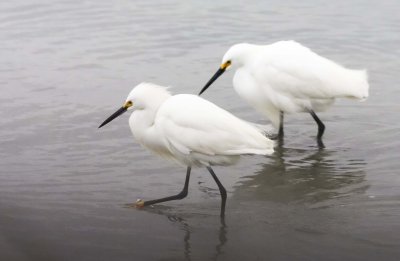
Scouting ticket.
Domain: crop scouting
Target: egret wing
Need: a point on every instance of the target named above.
(297, 72)
(192, 124)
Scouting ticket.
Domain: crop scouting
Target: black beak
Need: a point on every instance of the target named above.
(114, 115)
(216, 75)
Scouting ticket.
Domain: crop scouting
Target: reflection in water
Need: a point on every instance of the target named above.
(222, 239)
(291, 176)
(184, 224)
(187, 232)
(298, 175)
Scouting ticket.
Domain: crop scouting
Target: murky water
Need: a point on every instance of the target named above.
(66, 65)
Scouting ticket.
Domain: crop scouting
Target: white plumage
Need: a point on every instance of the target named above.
(287, 77)
(189, 130)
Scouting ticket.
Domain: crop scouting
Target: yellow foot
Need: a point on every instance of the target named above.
(139, 203)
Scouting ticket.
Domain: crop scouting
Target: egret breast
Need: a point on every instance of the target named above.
(260, 97)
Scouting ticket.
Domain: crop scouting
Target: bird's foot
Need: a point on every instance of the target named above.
(138, 204)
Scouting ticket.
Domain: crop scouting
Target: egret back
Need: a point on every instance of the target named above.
(292, 69)
(287, 76)
(201, 133)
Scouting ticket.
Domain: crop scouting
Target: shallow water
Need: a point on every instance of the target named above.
(67, 65)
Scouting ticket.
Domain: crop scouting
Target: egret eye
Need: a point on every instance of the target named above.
(128, 104)
(226, 65)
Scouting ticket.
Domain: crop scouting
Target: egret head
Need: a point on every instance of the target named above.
(235, 56)
(143, 96)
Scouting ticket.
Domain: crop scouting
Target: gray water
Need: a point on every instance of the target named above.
(67, 65)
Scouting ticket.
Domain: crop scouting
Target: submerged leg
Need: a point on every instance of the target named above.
(279, 137)
(321, 129)
(222, 191)
(181, 195)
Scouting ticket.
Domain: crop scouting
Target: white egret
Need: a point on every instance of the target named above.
(287, 77)
(190, 131)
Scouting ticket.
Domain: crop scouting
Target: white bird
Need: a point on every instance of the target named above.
(287, 77)
(190, 131)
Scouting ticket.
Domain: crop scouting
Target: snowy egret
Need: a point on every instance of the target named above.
(190, 131)
(287, 77)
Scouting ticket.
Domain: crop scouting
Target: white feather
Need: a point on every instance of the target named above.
(286, 76)
(190, 130)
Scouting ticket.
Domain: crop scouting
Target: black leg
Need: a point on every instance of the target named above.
(321, 129)
(181, 195)
(280, 133)
(279, 136)
(222, 191)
